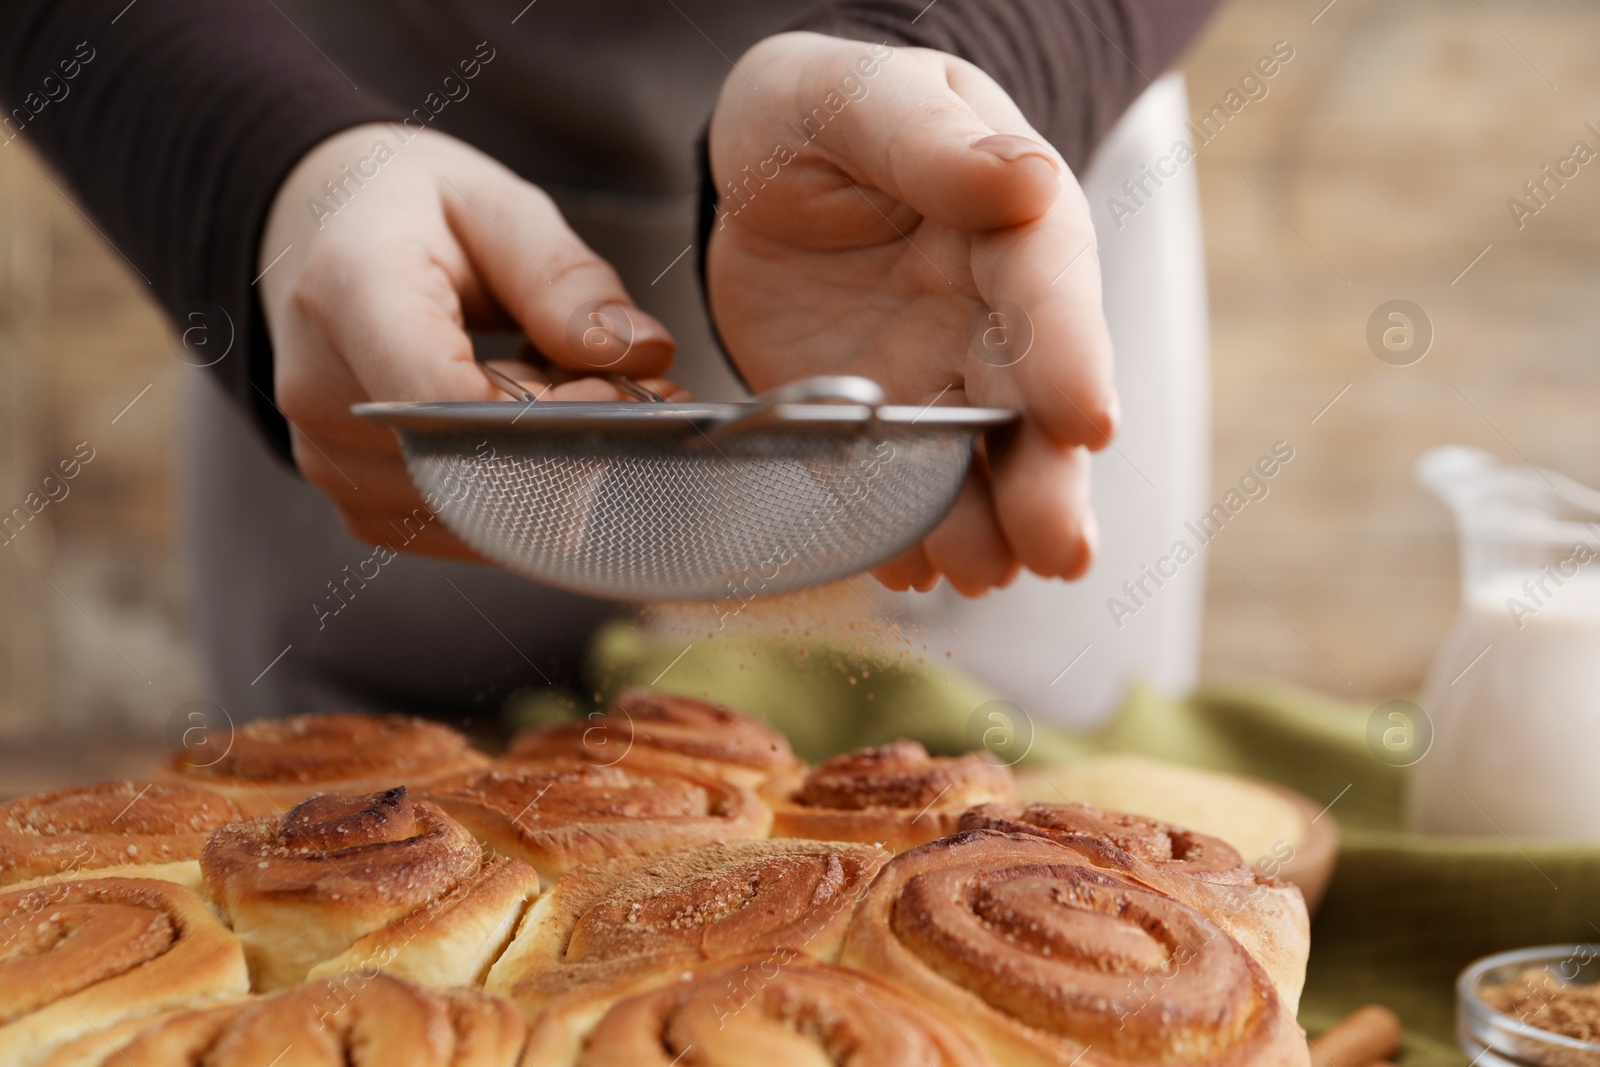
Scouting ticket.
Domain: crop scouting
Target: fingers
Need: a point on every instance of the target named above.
(968, 547)
(1041, 499)
(1042, 286)
(568, 300)
(543, 382)
(386, 309)
(919, 139)
(909, 570)
(1032, 512)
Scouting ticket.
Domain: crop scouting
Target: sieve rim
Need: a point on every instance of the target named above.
(549, 416)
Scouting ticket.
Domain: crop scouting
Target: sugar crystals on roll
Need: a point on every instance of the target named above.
(380, 880)
(1047, 958)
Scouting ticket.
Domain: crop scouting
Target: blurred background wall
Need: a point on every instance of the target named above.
(1377, 167)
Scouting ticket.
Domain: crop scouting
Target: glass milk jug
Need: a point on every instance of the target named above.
(1514, 694)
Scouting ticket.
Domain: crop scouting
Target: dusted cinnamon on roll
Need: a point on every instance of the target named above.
(276, 763)
(1266, 916)
(628, 923)
(364, 882)
(559, 814)
(135, 829)
(1048, 959)
(353, 1020)
(774, 1009)
(77, 957)
(648, 719)
(895, 795)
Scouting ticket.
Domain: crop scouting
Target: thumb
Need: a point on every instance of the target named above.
(940, 136)
(568, 300)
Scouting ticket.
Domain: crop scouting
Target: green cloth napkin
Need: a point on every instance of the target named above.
(1404, 914)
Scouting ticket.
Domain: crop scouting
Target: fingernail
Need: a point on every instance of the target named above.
(1012, 147)
(609, 332)
(1113, 418)
(630, 324)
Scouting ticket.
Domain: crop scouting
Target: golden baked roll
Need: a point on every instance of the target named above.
(80, 956)
(353, 1020)
(775, 1009)
(559, 814)
(362, 882)
(627, 923)
(895, 795)
(1266, 916)
(1047, 959)
(135, 829)
(648, 719)
(276, 763)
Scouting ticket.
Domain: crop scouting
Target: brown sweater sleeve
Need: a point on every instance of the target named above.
(1072, 66)
(174, 121)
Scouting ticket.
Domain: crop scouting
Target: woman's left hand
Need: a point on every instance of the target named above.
(890, 213)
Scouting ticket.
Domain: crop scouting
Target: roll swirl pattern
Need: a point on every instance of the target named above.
(81, 956)
(374, 881)
(349, 1021)
(652, 721)
(1266, 916)
(274, 763)
(145, 829)
(632, 922)
(780, 1009)
(894, 794)
(1048, 959)
(560, 814)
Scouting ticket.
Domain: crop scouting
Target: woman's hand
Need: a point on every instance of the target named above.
(890, 213)
(387, 268)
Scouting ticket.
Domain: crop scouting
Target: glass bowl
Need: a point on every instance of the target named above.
(1494, 1039)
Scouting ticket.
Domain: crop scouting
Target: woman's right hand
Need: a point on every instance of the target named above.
(378, 256)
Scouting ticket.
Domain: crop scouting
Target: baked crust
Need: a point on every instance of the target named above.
(379, 880)
(563, 813)
(81, 956)
(895, 795)
(1266, 916)
(641, 719)
(1048, 959)
(778, 1009)
(65, 833)
(629, 923)
(355, 1020)
(272, 764)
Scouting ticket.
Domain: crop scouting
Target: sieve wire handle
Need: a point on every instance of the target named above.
(846, 387)
(513, 388)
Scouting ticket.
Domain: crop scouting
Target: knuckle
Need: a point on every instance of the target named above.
(310, 297)
(577, 264)
(297, 401)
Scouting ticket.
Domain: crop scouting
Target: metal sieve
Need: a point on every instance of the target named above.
(807, 484)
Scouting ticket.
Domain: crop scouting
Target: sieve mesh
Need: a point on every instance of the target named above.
(653, 517)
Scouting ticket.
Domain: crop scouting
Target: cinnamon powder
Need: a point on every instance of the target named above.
(1538, 998)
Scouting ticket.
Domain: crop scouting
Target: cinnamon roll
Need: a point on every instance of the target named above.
(77, 957)
(1048, 959)
(1266, 916)
(354, 1020)
(649, 720)
(132, 829)
(631, 922)
(559, 814)
(895, 795)
(775, 1009)
(376, 881)
(276, 763)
